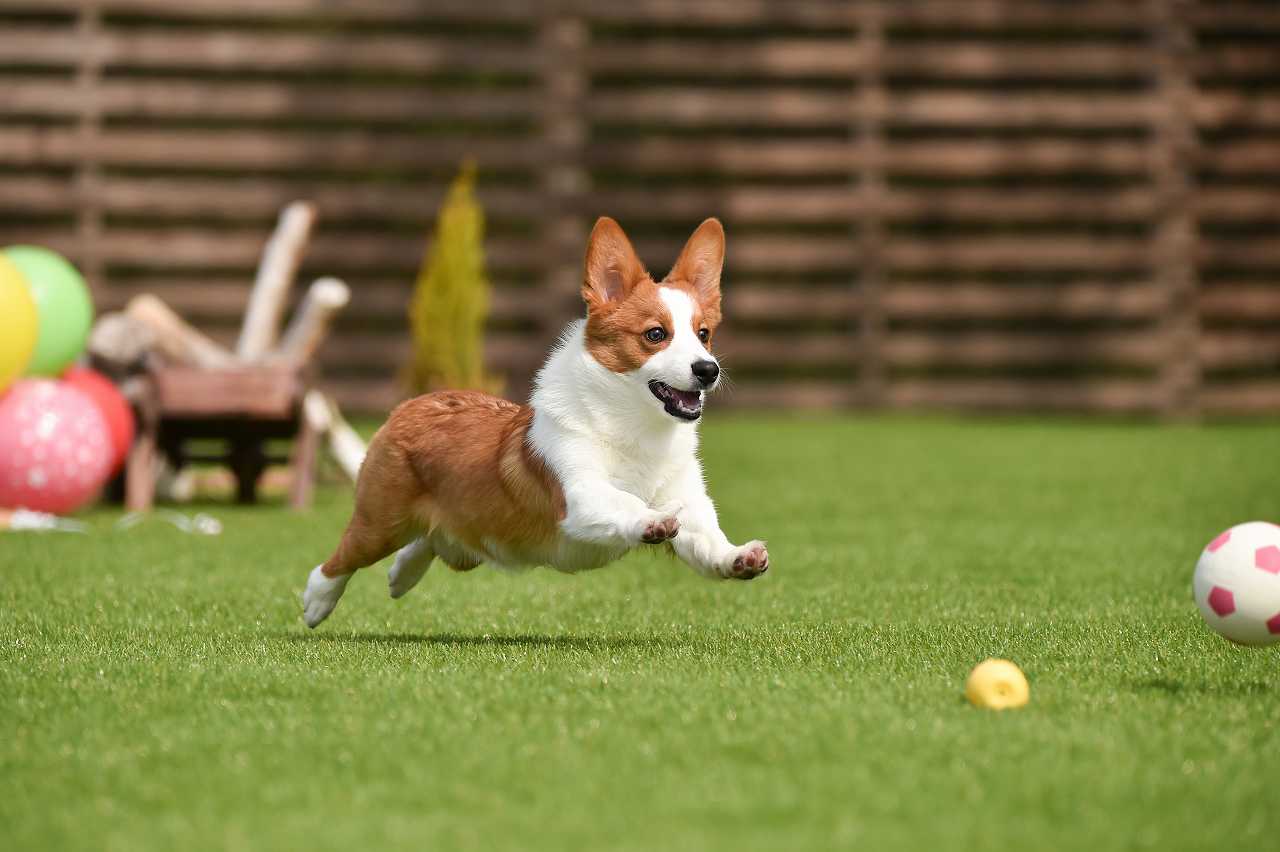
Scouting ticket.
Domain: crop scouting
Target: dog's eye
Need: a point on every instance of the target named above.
(655, 335)
(704, 334)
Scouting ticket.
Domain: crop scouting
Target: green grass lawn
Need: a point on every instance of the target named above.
(159, 690)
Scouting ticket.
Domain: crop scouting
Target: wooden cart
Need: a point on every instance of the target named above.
(238, 410)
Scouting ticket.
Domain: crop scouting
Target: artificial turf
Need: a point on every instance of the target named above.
(159, 691)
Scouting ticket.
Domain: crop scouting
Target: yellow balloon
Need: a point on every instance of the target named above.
(18, 323)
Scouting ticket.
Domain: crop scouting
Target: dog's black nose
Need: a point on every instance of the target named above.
(706, 372)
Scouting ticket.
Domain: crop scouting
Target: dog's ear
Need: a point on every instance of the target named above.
(701, 260)
(612, 267)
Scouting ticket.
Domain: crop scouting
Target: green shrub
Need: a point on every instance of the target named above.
(451, 297)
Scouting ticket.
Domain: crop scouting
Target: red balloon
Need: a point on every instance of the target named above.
(114, 407)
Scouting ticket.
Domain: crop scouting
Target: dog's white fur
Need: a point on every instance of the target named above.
(624, 463)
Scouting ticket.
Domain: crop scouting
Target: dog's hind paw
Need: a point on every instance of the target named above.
(411, 564)
(321, 596)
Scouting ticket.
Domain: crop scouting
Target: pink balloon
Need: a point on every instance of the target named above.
(55, 447)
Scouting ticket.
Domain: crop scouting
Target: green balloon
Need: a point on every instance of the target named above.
(63, 306)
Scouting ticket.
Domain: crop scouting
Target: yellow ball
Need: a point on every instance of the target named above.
(997, 684)
(19, 323)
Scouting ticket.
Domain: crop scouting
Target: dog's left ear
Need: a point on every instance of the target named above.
(701, 260)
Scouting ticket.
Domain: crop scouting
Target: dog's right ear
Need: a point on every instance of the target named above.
(612, 267)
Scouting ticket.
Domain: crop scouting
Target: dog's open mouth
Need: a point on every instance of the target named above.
(687, 405)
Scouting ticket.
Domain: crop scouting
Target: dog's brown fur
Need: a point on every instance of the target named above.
(623, 300)
(452, 459)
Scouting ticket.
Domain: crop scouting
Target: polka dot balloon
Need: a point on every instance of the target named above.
(55, 447)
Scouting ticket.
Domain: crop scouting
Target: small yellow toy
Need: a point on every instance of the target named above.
(997, 684)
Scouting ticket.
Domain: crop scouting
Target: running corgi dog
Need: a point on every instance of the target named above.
(601, 460)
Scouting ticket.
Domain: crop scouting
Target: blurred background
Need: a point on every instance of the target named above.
(982, 204)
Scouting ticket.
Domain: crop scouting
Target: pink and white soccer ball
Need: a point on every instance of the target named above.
(1237, 583)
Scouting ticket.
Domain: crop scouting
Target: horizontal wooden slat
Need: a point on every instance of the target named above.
(809, 57)
(690, 105)
(765, 252)
(999, 16)
(371, 11)
(997, 349)
(1241, 302)
(772, 204)
(1236, 59)
(970, 204)
(353, 250)
(513, 352)
(40, 45)
(1020, 252)
(1218, 108)
(248, 102)
(792, 394)
(1237, 349)
(264, 196)
(339, 251)
(362, 394)
(974, 158)
(1242, 157)
(743, 303)
(1248, 17)
(1253, 250)
(1259, 396)
(1236, 203)
(775, 57)
(978, 301)
(37, 194)
(1112, 395)
(237, 150)
(812, 349)
(388, 354)
(244, 197)
(224, 299)
(1047, 109)
(1065, 61)
(967, 158)
(742, 156)
(976, 14)
(239, 50)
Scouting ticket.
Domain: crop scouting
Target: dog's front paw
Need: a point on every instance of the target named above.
(660, 530)
(750, 560)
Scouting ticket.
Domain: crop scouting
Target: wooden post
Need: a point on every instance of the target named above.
(325, 299)
(871, 190)
(88, 179)
(303, 463)
(280, 261)
(562, 43)
(1175, 237)
(177, 339)
(143, 458)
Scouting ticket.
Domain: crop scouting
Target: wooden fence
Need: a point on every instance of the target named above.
(1022, 204)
